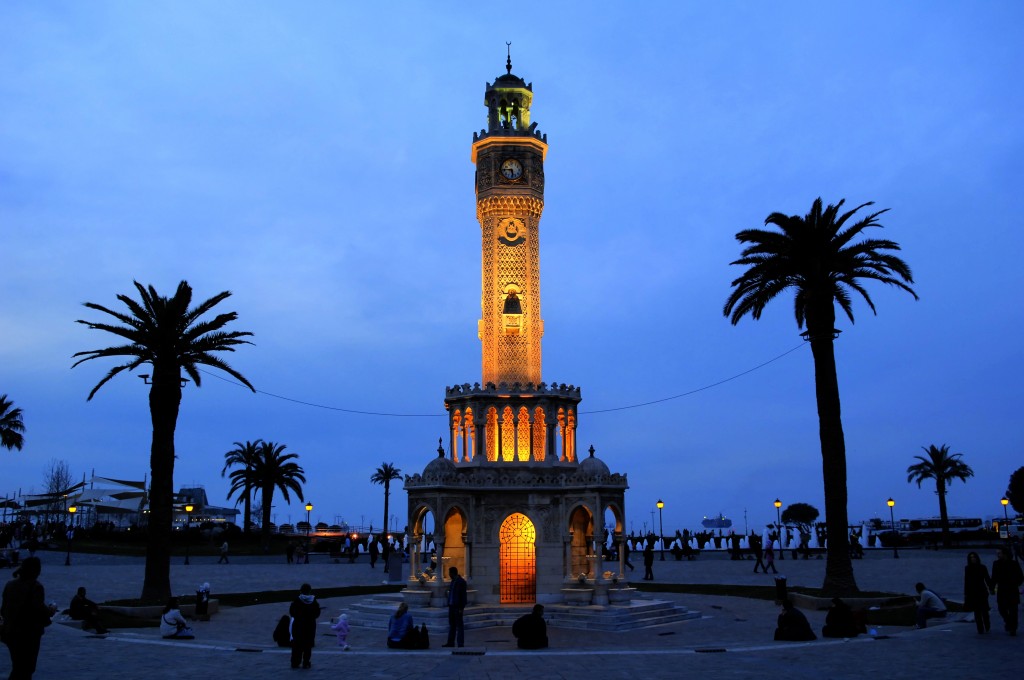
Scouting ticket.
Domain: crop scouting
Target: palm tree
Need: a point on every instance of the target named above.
(169, 336)
(244, 456)
(273, 468)
(383, 475)
(815, 256)
(943, 467)
(11, 425)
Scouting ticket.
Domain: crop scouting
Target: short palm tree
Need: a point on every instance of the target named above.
(815, 256)
(11, 425)
(383, 475)
(943, 467)
(172, 338)
(244, 457)
(274, 469)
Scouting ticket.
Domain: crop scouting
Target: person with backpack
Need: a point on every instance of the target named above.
(304, 611)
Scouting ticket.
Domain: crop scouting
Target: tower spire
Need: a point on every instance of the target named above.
(508, 62)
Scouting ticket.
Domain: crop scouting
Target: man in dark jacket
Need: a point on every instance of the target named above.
(530, 630)
(1007, 579)
(85, 610)
(304, 612)
(456, 604)
(25, 615)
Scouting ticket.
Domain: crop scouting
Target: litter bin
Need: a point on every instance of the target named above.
(203, 602)
(781, 594)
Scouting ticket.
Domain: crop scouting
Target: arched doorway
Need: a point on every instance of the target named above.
(518, 559)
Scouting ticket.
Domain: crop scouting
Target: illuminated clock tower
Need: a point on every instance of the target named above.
(511, 504)
(509, 158)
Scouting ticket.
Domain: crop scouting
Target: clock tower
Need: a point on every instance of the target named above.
(509, 158)
(513, 507)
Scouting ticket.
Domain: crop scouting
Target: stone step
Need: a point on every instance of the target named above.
(375, 612)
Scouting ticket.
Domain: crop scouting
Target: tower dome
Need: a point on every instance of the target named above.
(592, 465)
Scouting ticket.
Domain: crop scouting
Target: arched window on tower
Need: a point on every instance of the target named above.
(512, 314)
(508, 435)
(458, 435)
(523, 435)
(539, 434)
(492, 434)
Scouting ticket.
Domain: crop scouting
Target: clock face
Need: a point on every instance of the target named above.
(511, 169)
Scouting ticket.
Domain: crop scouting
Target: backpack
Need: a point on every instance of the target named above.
(283, 632)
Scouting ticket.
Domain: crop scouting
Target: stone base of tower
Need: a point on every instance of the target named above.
(521, 532)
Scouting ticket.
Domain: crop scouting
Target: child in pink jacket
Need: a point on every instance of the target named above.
(341, 629)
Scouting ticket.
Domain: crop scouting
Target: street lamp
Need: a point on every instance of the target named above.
(71, 532)
(661, 528)
(309, 508)
(892, 526)
(188, 525)
(1006, 518)
(778, 522)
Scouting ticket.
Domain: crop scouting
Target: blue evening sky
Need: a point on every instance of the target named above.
(314, 158)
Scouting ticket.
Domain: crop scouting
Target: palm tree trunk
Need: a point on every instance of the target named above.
(268, 499)
(387, 494)
(164, 401)
(839, 578)
(940, 489)
(247, 512)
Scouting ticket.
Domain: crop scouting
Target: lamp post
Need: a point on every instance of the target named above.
(892, 526)
(71, 532)
(1006, 518)
(309, 508)
(661, 528)
(188, 525)
(778, 522)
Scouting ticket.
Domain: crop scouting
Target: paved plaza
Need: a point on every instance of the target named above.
(733, 639)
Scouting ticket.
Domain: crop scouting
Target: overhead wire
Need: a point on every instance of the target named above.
(439, 415)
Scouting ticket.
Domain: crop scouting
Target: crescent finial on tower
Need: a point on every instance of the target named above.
(508, 62)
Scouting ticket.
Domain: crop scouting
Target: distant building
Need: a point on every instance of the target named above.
(202, 511)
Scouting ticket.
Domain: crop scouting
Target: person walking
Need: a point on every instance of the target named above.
(456, 605)
(649, 561)
(1006, 580)
(304, 612)
(977, 584)
(769, 556)
(758, 548)
(25, 616)
(625, 554)
(223, 553)
(341, 629)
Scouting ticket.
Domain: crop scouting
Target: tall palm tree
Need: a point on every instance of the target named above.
(171, 337)
(274, 469)
(244, 456)
(383, 475)
(815, 256)
(943, 467)
(11, 425)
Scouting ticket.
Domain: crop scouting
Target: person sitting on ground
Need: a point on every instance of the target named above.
(929, 606)
(839, 622)
(401, 632)
(85, 610)
(793, 625)
(172, 624)
(530, 630)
